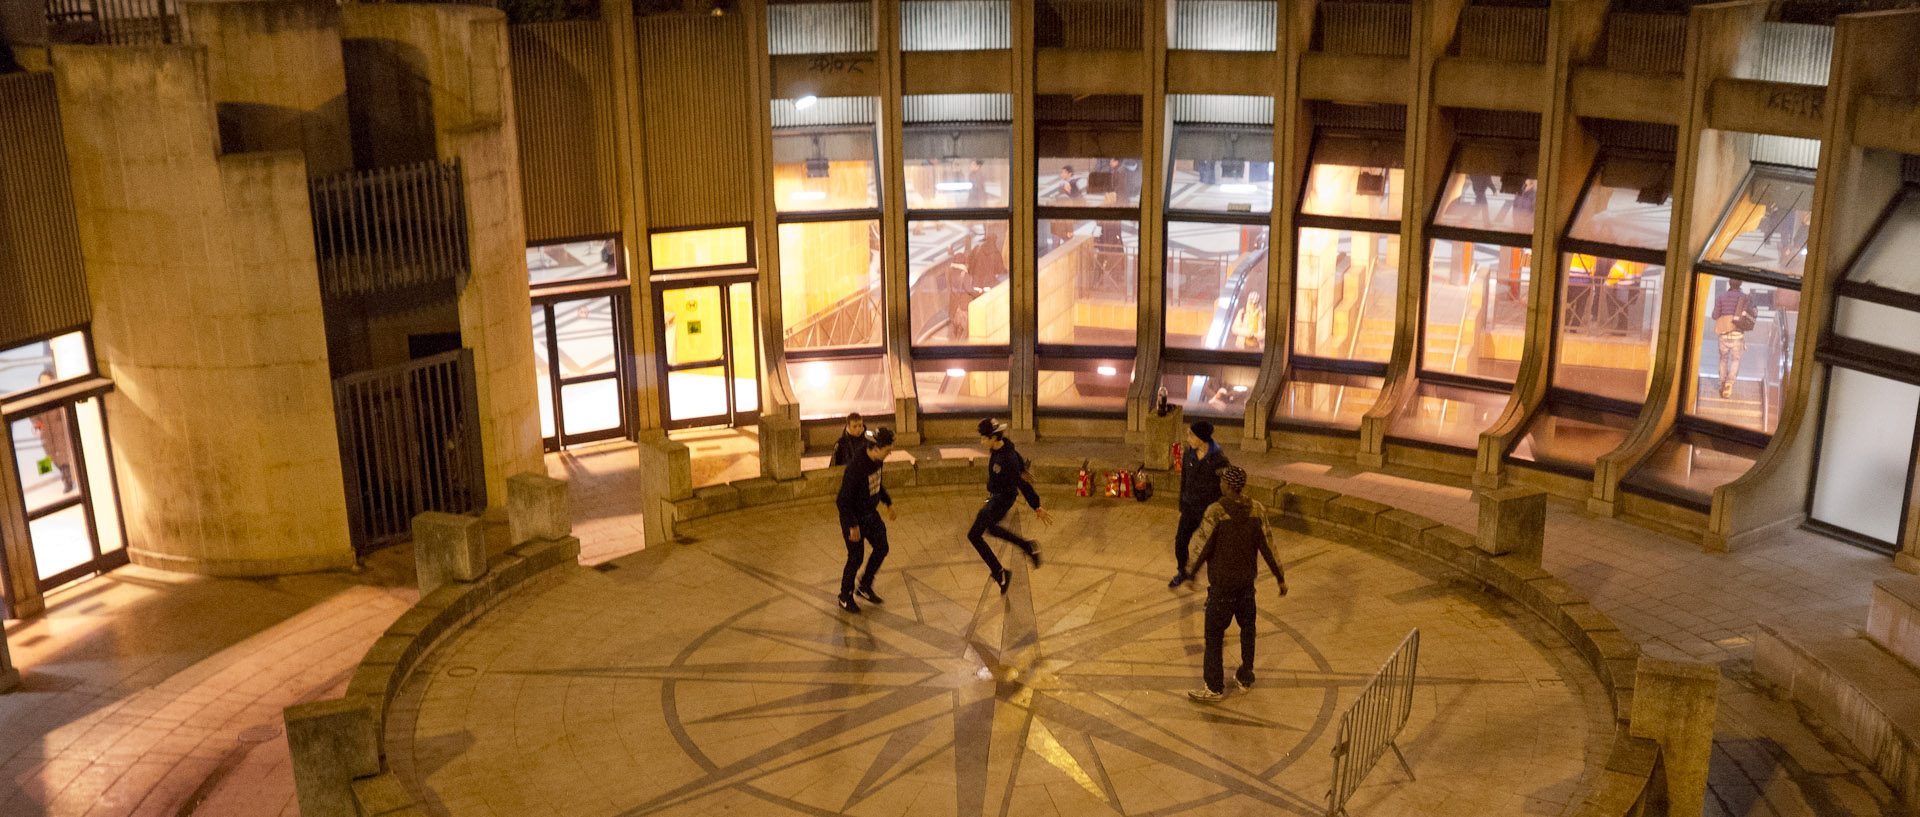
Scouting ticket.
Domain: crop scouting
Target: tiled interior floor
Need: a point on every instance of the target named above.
(153, 693)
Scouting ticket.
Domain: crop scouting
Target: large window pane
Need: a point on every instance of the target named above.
(542, 369)
(958, 165)
(1866, 449)
(1327, 398)
(963, 385)
(1088, 281)
(1082, 384)
(573, 261)
(1208, 389)
(1889, 258)
(1608, 322)
(824, 168)
(1343, 298)
(1492, 188)
(1089, 182)
(1572, 437)
(60, 541)
(1449, 415)
(100, 493)
(1743, 344)
(1216, 286)
(1691, 465)
(683, 249)
(1888, 326)
(957, 277)
(1630, 203)
(1476, 318)
(1361, 178)
(830, 284)
(834, 388)
(46, 459)
(1767, 225)
(1221, 169)
(30, 366)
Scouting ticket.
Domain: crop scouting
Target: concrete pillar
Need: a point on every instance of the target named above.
(666, 475)
(276, 73)
(1673, 705)
(448, 547)
(781, 444)
(538, 508)
(1163, 432)
(206, 296)
(1513, 520)
(9, 675)
(331, 743)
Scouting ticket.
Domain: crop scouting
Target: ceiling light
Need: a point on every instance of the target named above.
(805, 102)
(1238, 389)
(1109, 371)
(819, 375)
(956, 372)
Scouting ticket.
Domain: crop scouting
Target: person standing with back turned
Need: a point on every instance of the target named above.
(1233, 530)
(1200, 464)
(861, 495)
(1006, 479)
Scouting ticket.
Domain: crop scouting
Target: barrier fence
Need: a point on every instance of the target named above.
(390, 228)
(1372, 725)
(409, 442)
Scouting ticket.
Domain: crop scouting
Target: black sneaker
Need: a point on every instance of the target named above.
(1244, 683)
(866, 592)
(1178, 579)
(846, 603)
(1002, 578)
(1034, 556)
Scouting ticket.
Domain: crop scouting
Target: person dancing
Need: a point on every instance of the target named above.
(861, 495)
(1006, 479)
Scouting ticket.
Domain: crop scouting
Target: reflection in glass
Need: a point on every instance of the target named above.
(1476, 311)
(1866, 449)
(690, 393)
(824, 168)
(1742, 348)
(43, 454)
(834, 388)
(542, 374)
(60, 541)
(1630, 203)
(1088, 281)
(745, 353)
(1691, 465)
(957, 280)
(1221, 169)
(958, 165)
(585, 331)
(1216, 286)
(684, 249)
(1343, 298)
(100, 494)
(830, 284)
(1089, 182)
(572, 261)
(1609, 318)
(1571, 437)
(1448, 415)
(1492, 188)
(591, 406)
(30, 366)
(1208, 389)
(1888, 260)
(1358, 178)
(1068, 383)
(1767, 226)
(1326, 398)
(973, 384)
(692, 319)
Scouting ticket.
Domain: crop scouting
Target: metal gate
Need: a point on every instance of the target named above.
(409, 443)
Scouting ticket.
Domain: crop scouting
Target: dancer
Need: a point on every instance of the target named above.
(1200, 464)
(861, 494)
(1006, 478)
(1233, 530)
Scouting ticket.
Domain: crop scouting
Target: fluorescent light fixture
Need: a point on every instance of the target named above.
(1239, 389)
(808, 195)
(819, 375)
(805, 102)
(956, 372)
(1109, 371)
(954, 187)
(1239, 188)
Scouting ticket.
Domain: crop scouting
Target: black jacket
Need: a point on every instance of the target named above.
(1234, 531)
(861, 490)
(846, 448)
(1007, 473)
(1200, 477)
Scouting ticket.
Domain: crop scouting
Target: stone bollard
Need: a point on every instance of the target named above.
(1674, 703)
(666, 477)
(447, 547)
(9, 676)
(537, 508)
(781, 444)
(1513, 520)
(331, 743)
(1163, 433)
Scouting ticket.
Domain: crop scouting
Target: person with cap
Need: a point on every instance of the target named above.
(852, 442)
(861, 495)
(1232, 530)
(1200, 464)
(1006, 480)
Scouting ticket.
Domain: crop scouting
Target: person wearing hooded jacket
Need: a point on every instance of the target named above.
(1233, 530)
(852, 442)
(1006, 480)
(1200, 463)
(861, 495)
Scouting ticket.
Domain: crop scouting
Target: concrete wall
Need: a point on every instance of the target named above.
(275, 72)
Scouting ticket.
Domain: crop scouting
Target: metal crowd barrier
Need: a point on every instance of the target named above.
(1370, 727)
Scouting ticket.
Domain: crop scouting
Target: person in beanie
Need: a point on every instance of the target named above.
(859, 501)
(1006, 479)
(852, 442)
(1200, 464)
(1232, 530)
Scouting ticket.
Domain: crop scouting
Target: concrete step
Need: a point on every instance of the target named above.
(1893, 617)
(1854, 686)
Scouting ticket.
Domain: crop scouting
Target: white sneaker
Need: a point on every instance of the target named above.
(1207, 696)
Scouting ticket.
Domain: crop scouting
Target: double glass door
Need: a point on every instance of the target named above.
(63, 466)
(710, 369)
(579, 343)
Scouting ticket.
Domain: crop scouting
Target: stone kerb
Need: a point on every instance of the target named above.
(9, 676)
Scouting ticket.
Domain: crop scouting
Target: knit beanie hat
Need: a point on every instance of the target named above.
(1203, 430)
(882, 437)
(1232, 476)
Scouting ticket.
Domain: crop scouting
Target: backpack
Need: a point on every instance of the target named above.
(1743, 316)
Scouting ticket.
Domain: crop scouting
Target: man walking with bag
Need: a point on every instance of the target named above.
(1733, 316)
(859, 501)
(1200, 464)
(1233, 530)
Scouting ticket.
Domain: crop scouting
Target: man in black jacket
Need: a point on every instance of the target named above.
(852, 442)
(859, 501)
(1200, 464)
(1233, 530)
(1006, 479)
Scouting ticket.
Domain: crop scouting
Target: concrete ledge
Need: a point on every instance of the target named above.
(1858, 689)
(240, 568)
(1893, 617)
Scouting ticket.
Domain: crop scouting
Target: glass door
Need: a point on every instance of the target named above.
(578, 347)
(64, 465)
(710, 369)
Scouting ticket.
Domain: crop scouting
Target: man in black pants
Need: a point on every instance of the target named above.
(861, 495)
(1233, 530)
(1006, 479)
(1200, 464)
(852, 442)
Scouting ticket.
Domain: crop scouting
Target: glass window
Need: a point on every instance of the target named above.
(32, 365)
(1572, 437)
(1767, 225)
(1476, 311)
(1630, 203)
(1089, 182)
(961, 385)
(958, 165)
(1208, 389)
(43, 451)
(691, 249)
(824, 168)
(830, 284)
(1221, 169)
(1088, 281)
(954, 25)
(573, 261)
(1449, 415)
(1608, 322)
(1866, 450)
(837, 387)
(957, 277)
(1084, 384)
(1691, 465)
(1492, 188)
(1326, 398)
(1742, 348)
(1224, 25)
(1890, 258)
(1355, 177)
(1888, 326)
(1343, 297)
(1216, 286)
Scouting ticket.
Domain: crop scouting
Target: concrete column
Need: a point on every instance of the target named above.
(538, 508)
(1022, 248)
(1673, 705)
(9, 675)
(1513, 520)
(666, 475)
(447, 547)
(277, 76)
(893, 226)
(1155, 151)
(781, 444)
(1163, 432)
(331, 743)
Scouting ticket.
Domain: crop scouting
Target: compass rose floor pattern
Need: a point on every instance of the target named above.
(716, 676)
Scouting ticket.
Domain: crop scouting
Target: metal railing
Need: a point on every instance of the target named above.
(409, 443)
(1602, 309)
(113, 22)
(1372, 725)
(854, 320)
(380, 230)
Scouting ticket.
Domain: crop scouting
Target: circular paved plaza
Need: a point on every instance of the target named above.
(716, 676)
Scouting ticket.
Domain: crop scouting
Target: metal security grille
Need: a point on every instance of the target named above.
(387, 229)
(113, 22)
(409, 443)
(1370, 727)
